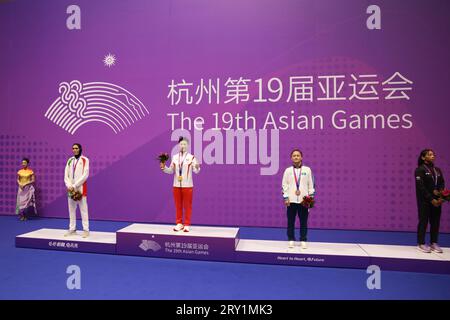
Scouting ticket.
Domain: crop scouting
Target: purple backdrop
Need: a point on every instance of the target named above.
(364, 177)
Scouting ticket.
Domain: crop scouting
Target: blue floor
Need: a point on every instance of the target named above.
(41, 274)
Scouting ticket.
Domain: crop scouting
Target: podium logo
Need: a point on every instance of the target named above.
(150, 245)
(81, 103)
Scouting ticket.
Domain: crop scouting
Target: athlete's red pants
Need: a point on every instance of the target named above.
(183, 201)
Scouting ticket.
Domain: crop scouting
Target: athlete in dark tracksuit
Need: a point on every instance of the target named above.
(429, 181)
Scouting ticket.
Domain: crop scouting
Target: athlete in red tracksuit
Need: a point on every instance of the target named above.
(183, 165)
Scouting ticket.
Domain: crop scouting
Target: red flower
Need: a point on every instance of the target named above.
(308, 201)
(445, 194)
(163, 157)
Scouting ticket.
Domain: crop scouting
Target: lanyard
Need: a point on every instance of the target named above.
(297, 180)
(180, 163)
(434, 176)
(74, 166)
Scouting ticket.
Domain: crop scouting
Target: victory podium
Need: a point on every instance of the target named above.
(224, 244)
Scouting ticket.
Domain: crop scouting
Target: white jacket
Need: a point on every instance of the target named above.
(188, 167)
(289, 186)
(76, 174)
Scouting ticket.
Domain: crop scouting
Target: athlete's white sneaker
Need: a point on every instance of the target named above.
(436, 248)
(178, 227)
(303, 245)
(186, 229)
(291, 244)
(70, 233)
(424, 248)
(85, 234)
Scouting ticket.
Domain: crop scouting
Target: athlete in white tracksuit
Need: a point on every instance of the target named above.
(297, 183)
(75, 177)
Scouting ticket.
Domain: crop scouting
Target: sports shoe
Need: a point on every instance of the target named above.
(424, 248)
(291, 244)
(70, 233)
(435, 247)
(85, 234)
(178, 227)
(303, 244)
(186, 229)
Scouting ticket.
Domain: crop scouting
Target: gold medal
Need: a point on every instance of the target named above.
(180, 178)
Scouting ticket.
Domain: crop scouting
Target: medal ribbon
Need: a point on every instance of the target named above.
(74, 166)
(297, 180)
(180, 163)
(434, 176)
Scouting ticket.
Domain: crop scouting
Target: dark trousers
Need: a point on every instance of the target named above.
(292, 211)
(431, 214)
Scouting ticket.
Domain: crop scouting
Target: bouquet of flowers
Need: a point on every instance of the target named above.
(75, 195)
(444, 194)
(163, 157)
(308, 201)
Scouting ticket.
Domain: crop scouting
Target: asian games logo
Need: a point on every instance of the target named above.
(81, 103)
(150, 245)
